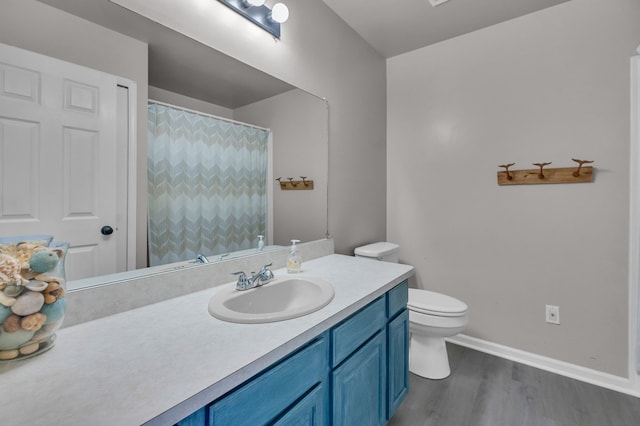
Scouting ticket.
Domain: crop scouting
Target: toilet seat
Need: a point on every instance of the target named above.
(436, 304)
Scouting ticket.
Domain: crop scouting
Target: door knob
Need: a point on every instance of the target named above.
(106, 230)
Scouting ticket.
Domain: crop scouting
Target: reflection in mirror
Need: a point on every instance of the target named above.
(297, 127)
(207, 180)
(188, 74)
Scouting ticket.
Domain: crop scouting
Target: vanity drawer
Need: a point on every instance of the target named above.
(349, 335)
(397, 299)
(269, 394)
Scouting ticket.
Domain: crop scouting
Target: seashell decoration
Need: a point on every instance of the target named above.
(32, 305)
(36, 285)
(10, 269)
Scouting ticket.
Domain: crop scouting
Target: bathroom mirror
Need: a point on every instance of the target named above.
(180, 67)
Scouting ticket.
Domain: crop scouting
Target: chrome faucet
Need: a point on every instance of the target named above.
(263, 276)
(201, 258)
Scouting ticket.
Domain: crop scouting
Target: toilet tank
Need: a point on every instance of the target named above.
(387, 252)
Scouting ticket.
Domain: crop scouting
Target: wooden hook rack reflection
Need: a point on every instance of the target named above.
(288, 184)
(542, 175)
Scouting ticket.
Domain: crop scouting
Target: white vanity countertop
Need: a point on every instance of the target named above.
(161, 362)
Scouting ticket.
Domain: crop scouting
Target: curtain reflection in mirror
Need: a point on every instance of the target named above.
(207, 184)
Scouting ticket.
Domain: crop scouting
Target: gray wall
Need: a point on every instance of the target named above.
(545, 87)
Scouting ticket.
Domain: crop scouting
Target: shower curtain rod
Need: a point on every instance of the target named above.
(204, 114)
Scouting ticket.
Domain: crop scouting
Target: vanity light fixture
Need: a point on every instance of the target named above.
(256, 12)
(435, 3)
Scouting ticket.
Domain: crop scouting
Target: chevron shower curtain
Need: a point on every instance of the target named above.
(207, 185)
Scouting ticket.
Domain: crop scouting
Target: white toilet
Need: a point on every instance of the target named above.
(432, 317)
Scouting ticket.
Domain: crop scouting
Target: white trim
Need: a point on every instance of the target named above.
(588, 375)
(132, 172)
(634, 223)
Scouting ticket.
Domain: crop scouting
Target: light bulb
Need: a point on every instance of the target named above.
(280, 13)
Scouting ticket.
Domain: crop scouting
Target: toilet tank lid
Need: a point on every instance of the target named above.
(377, 249)
(424, 300)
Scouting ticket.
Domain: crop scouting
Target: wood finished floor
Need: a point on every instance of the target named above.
(484, 390)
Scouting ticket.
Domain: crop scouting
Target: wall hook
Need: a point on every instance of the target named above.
(541, 165)
(290, 184)
(506, 168)
(580, 163)
(543, 175)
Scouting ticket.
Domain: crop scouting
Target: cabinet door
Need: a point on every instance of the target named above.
(398, 366)
(360, 385)
(310, 411)
(262, 399)
(199, 418)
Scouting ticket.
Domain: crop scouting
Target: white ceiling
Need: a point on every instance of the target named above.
(393, 27)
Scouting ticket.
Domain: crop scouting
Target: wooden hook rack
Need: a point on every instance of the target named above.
(543, 175)
(289, 184)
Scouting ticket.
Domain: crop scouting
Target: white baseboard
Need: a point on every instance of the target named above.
(588, 375)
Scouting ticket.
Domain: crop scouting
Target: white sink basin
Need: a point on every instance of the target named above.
(281, 299)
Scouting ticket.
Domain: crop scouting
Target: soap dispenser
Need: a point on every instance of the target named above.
(260, 242)
(294, 263)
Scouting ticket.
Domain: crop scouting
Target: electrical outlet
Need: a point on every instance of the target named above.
(553, 314)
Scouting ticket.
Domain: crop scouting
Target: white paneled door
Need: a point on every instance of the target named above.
(58, 157)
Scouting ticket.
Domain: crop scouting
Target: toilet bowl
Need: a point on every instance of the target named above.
(432, 317)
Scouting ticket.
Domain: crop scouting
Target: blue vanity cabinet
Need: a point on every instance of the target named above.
(398, 362)
(199, 418)
(398, 346)
(311, 410)
(273, 392)
(370, 360)
(289, 393)
(360, 385)
(359, 363)
(356, 373)
(354, 331)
